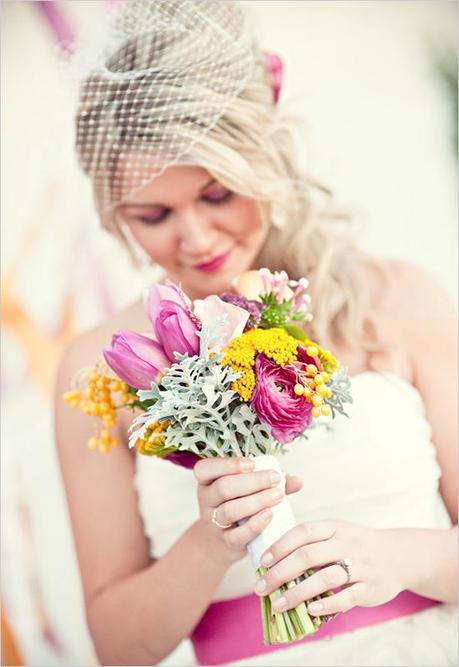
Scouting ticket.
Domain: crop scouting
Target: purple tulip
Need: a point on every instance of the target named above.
(175, 330)
(158, 293)
(136, 359)
(174, 323)
(276, 403)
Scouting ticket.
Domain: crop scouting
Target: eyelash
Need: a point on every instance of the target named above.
(213, 202)
(221, 199)
(153, 221)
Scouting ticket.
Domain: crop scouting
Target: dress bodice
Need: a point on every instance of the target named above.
(378, 467)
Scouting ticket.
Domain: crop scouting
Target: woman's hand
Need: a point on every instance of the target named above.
(375, 574)
(230, 491)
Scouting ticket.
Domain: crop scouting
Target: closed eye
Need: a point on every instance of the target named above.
(152, 220)
(218, 197)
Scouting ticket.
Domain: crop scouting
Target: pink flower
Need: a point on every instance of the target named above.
(158, 293)
(183, 459)
(136, 359)
(212, 307)
(276, 68)
(254, 308)
(250, 284)
(173, 322)
(175, 330)
(275, 402)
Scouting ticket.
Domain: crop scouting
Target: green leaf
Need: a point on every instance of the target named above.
(295, 332)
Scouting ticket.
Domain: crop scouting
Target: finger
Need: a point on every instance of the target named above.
(305, 533)
(296, 563)
(243, 508)
(293, 484)
(318, 583)
(229, 487)
(342, 601)
(207, 471)
(240, 536)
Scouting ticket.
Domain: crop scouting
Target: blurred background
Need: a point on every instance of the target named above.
(377, 84)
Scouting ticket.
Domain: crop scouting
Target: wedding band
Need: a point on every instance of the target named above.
(346, 564)
(216, 522)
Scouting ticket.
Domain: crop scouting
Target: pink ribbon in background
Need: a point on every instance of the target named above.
(58, 23)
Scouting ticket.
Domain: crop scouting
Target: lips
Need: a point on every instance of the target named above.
(214, 263)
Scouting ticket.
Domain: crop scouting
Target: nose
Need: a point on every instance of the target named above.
(195, 233)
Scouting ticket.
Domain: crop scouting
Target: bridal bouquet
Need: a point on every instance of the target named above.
(228, 375)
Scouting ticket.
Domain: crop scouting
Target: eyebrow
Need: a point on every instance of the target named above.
(152, 205)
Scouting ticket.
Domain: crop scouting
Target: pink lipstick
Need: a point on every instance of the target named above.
(214, 263)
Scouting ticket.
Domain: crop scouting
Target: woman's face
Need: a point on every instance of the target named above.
(201, 233)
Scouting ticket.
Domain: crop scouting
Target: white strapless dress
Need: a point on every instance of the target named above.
(378, 468)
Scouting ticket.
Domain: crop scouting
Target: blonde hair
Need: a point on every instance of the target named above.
(251, 149)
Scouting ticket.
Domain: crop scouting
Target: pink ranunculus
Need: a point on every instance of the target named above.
(136, 359)
(275, 402)
(212, 307)
(176, 330)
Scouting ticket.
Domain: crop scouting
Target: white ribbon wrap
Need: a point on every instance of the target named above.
(282, 519)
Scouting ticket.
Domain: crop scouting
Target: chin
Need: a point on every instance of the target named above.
(212, 284)
(198, 286)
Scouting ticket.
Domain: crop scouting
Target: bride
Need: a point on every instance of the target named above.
(193, 162)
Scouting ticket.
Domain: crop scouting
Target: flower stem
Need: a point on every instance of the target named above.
(287, 626)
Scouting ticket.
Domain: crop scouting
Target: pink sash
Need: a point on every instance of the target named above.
(231, 630)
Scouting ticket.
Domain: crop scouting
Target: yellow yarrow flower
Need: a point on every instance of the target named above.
(240, 355)
(152, 442)
(244, 385)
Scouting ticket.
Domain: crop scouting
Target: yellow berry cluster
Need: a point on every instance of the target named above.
(327, 360)
(313, 387)
(152, 443)
(100, 396)
(240, 355)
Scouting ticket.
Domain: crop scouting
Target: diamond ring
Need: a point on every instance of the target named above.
(216, 522)
(346, 564)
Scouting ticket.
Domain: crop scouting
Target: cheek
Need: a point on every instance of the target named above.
(244, 221)
(157, 242)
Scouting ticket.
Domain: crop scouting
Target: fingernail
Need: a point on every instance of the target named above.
(267, 514)
(267, 558)
(260, 586)
(247, 465)
(279, 603)
(274, 477)
(314, 607)
(277, 494)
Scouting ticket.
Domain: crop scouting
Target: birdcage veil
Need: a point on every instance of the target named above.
(166, 73)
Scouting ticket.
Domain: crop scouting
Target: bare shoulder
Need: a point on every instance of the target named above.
(409, 310)
(412, 280)
(412, 296)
